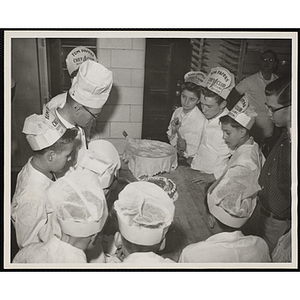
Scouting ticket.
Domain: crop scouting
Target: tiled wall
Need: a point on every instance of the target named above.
(125, 57)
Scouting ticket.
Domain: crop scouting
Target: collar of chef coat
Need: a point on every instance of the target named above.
(225, 236)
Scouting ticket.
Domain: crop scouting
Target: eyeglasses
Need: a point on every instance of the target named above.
(273, 110)
(94, 116)
(269, 59)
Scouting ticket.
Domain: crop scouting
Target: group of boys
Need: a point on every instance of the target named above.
(56, 220)
(228, 164)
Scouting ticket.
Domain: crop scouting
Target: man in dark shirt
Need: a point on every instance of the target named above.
(275, 177)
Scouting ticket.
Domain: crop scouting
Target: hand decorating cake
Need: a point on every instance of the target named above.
(149, 157)
(165, 183)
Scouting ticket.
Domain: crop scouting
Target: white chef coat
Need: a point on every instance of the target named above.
(212, 154)
(239, 181)
(54, 251)
(80, 143)
(29, 209)
(227, 247)
(191, 128)
(144, 258)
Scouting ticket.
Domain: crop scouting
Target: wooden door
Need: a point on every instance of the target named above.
(167, 60)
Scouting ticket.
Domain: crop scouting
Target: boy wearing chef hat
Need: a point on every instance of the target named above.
(82, 104)
(145, 213)
(212, 153)
(103, 159)
(76, 57)
(184, 131)
(227, 244)
(52, 144)
(80, 212)
(232, 198)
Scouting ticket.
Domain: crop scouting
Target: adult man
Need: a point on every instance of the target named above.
(83, 102)
(254, 88)
(213, 153)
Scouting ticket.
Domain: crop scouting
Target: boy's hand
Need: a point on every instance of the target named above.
(181, 144)
(189, 160)
(175, 125)
(203, 178)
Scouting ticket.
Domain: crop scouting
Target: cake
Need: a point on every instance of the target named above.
(165, 183)
(149, 157)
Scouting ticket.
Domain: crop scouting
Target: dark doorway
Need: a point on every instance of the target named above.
(167, 60)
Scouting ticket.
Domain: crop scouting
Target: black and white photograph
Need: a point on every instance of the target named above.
(150, 149)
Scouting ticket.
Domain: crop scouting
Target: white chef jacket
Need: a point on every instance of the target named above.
(29, 209)
(240, 178)
(254, 87)
(227, 247)
(144, 258)
(212, 154)
(80, 143)
(54, 251)
(191, 128)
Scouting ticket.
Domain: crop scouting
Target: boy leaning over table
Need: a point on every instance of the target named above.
(52, 146)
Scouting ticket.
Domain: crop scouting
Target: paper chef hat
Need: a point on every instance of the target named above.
(145, 213)
(79, 203)
(196, 77)
(92, 85)
(78, 56)
(44, 130)
(220, 81)
(243, 113)
(103, 159)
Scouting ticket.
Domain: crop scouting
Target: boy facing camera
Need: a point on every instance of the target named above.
(79, 215)
(145, 213)
(52, 144)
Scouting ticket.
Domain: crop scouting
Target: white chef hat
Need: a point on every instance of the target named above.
(78, 56)
(79, 203)
(196, 77)
(102, 158)
(43, 130)
(220, 81)
(92, 85)
(145, 213)
(234, 199)
(243, 113)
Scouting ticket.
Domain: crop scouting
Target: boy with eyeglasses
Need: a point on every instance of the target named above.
(254, 88)
(83, 102)
(275, 178)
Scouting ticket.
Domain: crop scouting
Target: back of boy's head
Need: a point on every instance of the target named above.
(67, 138)
(46, 130)
(79, 204)
(145, 213)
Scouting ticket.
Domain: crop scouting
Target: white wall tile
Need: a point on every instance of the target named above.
(136, 113)
(133, 129)
(104, 57)
(126, 95)
(115, 113)
(139, 44)
(133, 59)
(137, 77)
(115, 43)
(122, 77)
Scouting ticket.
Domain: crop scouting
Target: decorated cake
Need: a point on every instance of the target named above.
(165, 183)
(149, 157)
